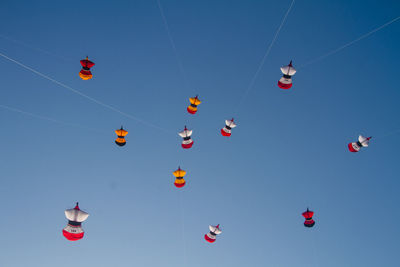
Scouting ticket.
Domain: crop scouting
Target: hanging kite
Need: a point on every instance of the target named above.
(194, 102)
(121, 133)
(179, 174)
(212, 235)
(227, 130)
(187, 141)
(73, 231)
(309, 222)
(286, 81)
(85, 72)
(362, 142)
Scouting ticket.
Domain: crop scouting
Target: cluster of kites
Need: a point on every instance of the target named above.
(73, 231)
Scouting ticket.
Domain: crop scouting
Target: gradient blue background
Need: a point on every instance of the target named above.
(287, 153)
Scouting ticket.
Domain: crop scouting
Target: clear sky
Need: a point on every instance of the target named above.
(287, 153)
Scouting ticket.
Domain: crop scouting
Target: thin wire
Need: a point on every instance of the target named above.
(395, 131)
(183, 228)
(84, 95)
(253, 80)
(49, 119)
(171, 40)
(34, 48)
(349, 43)
(316, 261)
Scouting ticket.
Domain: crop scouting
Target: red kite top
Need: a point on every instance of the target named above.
(308, 214)
(86, 63)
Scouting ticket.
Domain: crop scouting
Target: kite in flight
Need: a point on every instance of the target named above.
(121, 133)
(309, 222)
(73, 231)
(362, 142)
(179, 174)
(286, 81)
(194, 102)
(85, 72)
(187, 141)
(212, 235)
(227, 130)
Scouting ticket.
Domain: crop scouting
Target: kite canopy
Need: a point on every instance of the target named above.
(194, 102)
(309, 222)
(362, 142)
(187, 141)
(179, 174)
(227, 130)
(76, 214)
(85, 72)
(121, 133)
(185, 133)
(212, 235)
(286, 81)
(73, 231)
(288, 70)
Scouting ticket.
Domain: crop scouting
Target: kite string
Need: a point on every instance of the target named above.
(316, 262)
(181, 196)
(171, 40)
(34, 48)
(48, 119)
(334, 51)
(253, 80)
(84, 95)
(43, 117)
(395, 131)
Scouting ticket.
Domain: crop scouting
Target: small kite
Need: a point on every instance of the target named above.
(179, 174)
(194, 102)
(73, 231)
(362, 142)
(121, 133)
(227, 130)
(309, 222)
(85, 72)
(212, 235)
(187, 141)
(286, 81)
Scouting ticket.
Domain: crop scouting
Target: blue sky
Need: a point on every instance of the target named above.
(287, 153)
